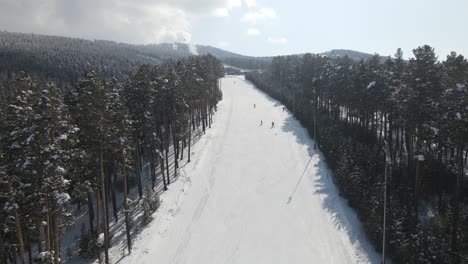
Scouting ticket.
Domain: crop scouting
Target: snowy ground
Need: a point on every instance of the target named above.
(252, 194)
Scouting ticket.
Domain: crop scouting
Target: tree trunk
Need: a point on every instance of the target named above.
(113, 179)
(56, 240)
(153, 174)
(104, 208)
(189, 135)
(138, 168)
(90, 213)
(48, 229)
(98, 212)
(2, 252)
(28, 246)
(175, 146)
(166, 133)
(456, 206)
(125, 204)
(19, 237)
(38, 233)
(182, 143)
(161, 156)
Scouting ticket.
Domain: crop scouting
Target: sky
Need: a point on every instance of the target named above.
(253, 27)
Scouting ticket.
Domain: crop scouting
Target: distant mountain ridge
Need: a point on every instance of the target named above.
(355, 55)
(66, 58)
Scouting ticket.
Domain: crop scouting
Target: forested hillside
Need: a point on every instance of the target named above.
(404, 119)
(64, 59)
(355, 55)
(86, 146)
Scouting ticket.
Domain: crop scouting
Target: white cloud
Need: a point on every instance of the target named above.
(224, 7)
(250, 3)
(261, 14)
(134, 21)
(281, 40)
(253, 32)
(232, 3)
(220, 12)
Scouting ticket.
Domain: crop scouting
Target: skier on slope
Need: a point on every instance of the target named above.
(272, 124)
(261, 122)
(254, 105)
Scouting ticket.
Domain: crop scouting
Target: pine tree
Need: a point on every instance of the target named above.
(90, 109)
(454, 123)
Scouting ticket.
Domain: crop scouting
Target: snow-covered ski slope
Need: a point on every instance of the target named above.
(252, 194)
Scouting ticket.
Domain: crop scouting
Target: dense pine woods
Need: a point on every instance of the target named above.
(64, 59)
(83, 145)
(409, 117)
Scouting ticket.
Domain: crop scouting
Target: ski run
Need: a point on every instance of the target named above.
(253, 193)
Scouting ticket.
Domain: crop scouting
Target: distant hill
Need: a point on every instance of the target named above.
(234, 59)
(355, 55)
(66, 59)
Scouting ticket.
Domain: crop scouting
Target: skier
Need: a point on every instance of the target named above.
(254, 105)
(272, 124)
(261, 122)
(283, 108)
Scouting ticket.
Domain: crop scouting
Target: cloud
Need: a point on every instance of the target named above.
(261, 14)
(134, 21)
(281, 40)
(250, 3)
(220, 12)
(253, 32)
(226, 7)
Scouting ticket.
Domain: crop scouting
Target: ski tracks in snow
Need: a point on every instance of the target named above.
(253, 194)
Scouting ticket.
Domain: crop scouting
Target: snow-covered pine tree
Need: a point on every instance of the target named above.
(122, 135)
(454, 128)
(90, 110)
(20, 177)
(144, 109)
(55, 138)
(36, 140)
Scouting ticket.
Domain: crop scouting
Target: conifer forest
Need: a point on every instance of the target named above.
(233, 131)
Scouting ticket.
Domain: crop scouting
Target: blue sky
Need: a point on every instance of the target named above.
(371, 26)
(253, 27)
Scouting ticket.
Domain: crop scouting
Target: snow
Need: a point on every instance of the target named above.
(60, 169)
(252, 194)
(61, 198)
(420, 157)
(371, 84)
(459, 117)
(227, 66)
(30, 138)
(26, 163)
(100, 239)
(43, 255)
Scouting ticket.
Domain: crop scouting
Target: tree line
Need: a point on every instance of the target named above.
(64, 59)
(409, 117)
(81, 146)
